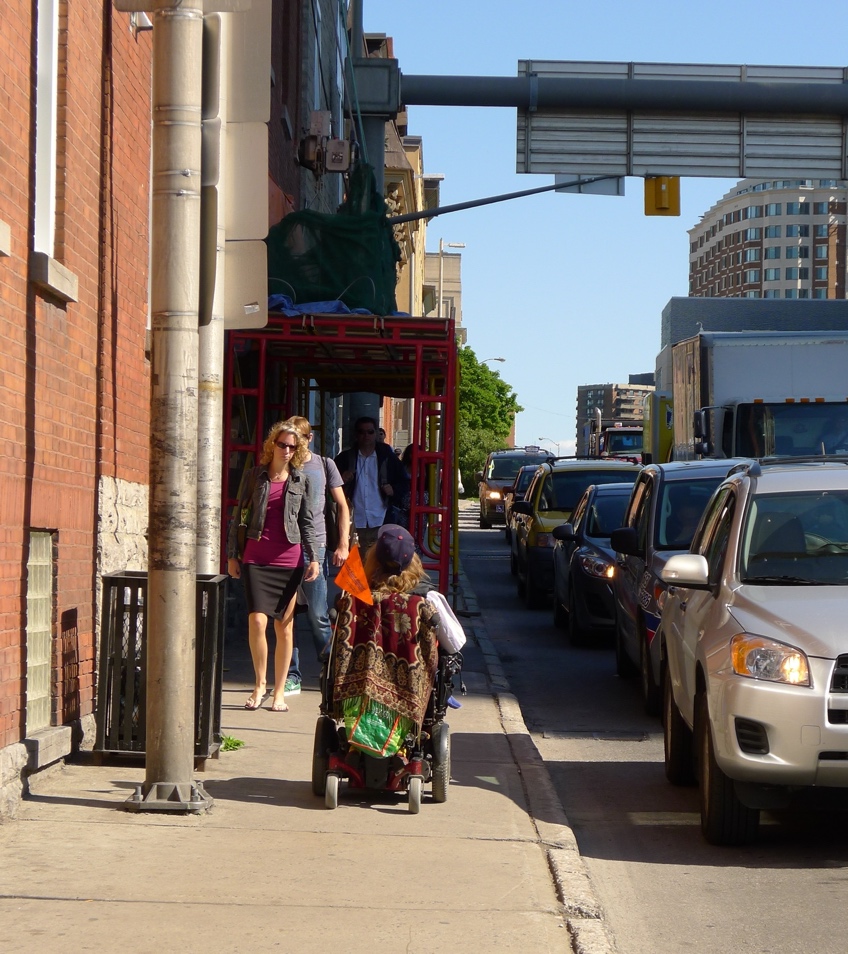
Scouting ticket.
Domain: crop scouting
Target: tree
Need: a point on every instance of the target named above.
(487, 409)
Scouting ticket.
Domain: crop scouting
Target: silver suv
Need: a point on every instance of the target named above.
(753, 644)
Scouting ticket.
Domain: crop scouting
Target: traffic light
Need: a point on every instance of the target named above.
(662, 195)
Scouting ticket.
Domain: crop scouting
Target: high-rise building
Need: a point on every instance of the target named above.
(782, 238)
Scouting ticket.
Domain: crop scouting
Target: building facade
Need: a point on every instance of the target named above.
(772, 239)
(74, 251)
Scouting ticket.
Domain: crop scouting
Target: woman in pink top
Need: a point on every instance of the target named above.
(280, 539)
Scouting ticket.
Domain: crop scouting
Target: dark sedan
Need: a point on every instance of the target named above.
(584, 563)
(516, 491)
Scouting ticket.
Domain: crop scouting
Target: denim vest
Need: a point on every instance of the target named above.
(299, 507)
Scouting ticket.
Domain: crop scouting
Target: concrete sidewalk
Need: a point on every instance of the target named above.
(496, 867)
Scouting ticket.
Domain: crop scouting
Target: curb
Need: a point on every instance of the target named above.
(581, 908)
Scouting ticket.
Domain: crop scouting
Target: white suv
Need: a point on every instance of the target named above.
(754, 645)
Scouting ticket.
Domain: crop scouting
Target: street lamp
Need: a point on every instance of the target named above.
(492, 359)
(442, 246)
(555, 443)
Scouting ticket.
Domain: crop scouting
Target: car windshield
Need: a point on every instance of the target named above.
(522, 482)
(505, 468)
(605, 514)
(567, 486)
(782, 430)
(798, 538)
(681, 505)
(620, 443)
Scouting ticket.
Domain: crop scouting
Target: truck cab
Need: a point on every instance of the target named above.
(772, 429)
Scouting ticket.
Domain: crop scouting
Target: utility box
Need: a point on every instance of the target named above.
(122, 674)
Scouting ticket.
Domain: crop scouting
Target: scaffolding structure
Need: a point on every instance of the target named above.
(296, 363)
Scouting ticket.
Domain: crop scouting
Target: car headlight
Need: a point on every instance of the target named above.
(494, 495)
(761, 658)
(597, 567)
(545, 540)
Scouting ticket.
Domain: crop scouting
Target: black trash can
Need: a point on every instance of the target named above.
(122, 677)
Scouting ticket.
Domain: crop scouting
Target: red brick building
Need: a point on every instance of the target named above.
(74, 378)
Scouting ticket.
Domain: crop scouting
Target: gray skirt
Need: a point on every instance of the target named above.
(270, 589)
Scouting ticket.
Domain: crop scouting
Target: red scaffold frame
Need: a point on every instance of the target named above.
(273, 372)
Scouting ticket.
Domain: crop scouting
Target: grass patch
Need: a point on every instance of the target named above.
(229, 743)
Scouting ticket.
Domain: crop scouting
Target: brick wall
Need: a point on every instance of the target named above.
(73, 375)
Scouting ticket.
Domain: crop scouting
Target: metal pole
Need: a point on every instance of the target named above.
(172, 531)
(210, 422)
(489, 200)
(441, 276)
(552, 92)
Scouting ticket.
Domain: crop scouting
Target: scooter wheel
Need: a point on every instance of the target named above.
(414, 794)
(331, 793)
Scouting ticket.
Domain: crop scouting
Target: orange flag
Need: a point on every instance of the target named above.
(351, 577)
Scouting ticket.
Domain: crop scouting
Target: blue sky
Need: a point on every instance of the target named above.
(539, 286)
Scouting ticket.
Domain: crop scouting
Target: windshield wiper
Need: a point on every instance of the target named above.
(794, 580)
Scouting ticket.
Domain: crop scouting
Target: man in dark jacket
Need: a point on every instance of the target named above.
(372, 476)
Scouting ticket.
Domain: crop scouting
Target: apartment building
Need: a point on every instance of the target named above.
(772, 239)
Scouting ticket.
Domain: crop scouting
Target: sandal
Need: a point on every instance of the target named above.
(255, 700)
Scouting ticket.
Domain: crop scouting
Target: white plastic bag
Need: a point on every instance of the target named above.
(449, 631)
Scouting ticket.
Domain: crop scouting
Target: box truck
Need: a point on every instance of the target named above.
(760, 394)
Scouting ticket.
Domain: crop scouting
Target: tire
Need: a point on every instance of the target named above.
(650, 690)
(724, 819)
(506, 535)
(513, 564)
(326, 741)
(678, 748)
(485, 524)
(331, 795)
(441, 762)
(624, 667)
(415, 794)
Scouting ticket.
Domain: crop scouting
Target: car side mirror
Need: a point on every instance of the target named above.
(625, 540)
(564, 532)
(479, 476)
(523, 506)
(687, 569)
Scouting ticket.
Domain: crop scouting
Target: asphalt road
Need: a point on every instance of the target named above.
(662, 887)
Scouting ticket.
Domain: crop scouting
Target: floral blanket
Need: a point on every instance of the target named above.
(387, 652)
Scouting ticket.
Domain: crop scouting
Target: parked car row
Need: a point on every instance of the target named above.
(725, 586)
(554, 492)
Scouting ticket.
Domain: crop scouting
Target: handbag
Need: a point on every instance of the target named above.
(331, 513)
